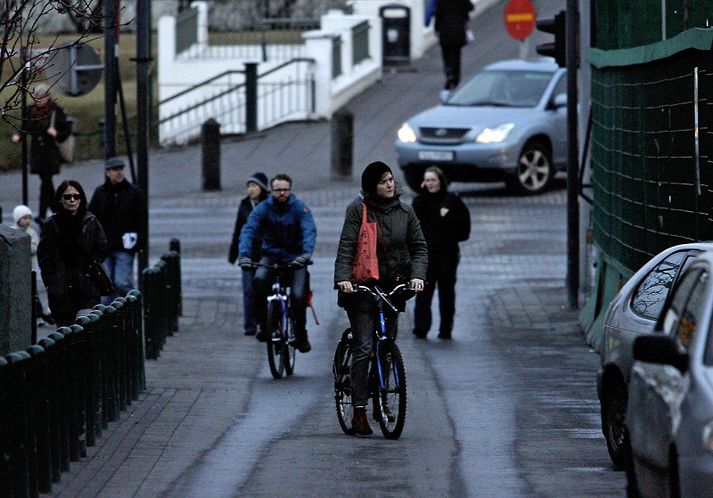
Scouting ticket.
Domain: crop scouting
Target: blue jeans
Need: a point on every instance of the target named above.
(119, 266)
(249, 321)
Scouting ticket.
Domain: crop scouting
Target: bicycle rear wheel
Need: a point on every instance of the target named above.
(288, 351)
(390, 400)
(342, 386)
(275, 348)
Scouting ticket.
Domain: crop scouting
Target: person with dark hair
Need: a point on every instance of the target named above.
(257, 192)
(451, 18)
(402, 254)
(445, 221)
(47, 124)
(288, 235)
(120, 207)
(70, 239)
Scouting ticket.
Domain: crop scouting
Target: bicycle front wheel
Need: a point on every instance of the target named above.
(288, 351)
(275, 348)
(341, 368)
(390, 394)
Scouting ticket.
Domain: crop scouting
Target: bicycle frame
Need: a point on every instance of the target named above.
(280, 293)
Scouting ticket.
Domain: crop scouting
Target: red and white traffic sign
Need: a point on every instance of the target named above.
(520, 18)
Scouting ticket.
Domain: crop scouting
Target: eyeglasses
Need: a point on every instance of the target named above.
(71, 197)
(281, 190)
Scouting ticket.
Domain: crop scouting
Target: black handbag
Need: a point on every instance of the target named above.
(96, 272)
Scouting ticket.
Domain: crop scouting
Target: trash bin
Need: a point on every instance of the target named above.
(396, 34)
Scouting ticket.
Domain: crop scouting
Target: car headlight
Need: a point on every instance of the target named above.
(708, 436)
(406, 134)
(493, 135)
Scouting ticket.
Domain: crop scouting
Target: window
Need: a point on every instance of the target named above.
(651, 293)
(691, 312)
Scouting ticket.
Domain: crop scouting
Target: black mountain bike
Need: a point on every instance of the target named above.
(387, 376)
(280, 323)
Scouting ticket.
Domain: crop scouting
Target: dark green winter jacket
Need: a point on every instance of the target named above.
(401, 248)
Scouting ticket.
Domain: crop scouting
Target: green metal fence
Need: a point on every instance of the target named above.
(652, 152)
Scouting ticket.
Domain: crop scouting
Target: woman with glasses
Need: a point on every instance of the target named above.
(70, 240)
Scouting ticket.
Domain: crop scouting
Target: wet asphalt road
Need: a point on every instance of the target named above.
(508, 408)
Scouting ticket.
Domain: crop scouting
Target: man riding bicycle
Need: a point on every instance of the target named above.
(402, 254)
(289, 235)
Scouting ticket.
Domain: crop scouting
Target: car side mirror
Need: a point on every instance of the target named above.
(660, 349)
(560, 100)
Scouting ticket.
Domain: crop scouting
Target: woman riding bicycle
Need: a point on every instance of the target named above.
(403, 256)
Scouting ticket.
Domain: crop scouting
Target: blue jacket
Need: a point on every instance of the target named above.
(288, 230)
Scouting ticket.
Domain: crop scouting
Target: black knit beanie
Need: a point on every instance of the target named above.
(371, 176)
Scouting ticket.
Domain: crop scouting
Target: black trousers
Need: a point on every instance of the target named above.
(46, 195)
(442, 273)
(363, 325)
(264, 279)
(451, 65)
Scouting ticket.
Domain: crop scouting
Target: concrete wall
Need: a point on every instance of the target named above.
(15, 290)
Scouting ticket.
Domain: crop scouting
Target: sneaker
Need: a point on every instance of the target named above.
(47, 318)
(262, 335)
(360, 422)
(420, 334)
(302, 345)
(444, 335)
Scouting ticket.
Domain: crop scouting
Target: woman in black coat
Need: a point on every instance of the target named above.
(402, 255)
(445, 222)
(70, 239)
(257, 192)
(451, 19)
(47, 124)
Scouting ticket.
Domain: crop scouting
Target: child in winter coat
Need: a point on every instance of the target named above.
(22, 216)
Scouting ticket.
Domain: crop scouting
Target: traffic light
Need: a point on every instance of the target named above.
(557, 49)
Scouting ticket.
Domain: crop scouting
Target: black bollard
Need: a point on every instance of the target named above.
(342, 130)
(40, 382)
(210, 139)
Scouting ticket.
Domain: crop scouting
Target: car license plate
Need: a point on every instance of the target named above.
(435, 155)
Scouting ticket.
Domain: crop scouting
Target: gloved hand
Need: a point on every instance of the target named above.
(245, 263)
(301, 261)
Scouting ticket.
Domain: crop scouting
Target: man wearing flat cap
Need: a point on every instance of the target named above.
(120, 206)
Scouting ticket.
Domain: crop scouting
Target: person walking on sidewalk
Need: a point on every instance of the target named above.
(70, 239)
(445, 221)
(289, 235)
(47, 125)
(257, 192)
(402, 254)
(451, 18)
(120, 207)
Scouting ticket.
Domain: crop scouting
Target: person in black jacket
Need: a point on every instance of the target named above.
(257, 192)
(47, 124)
(445, 221)
(69, 240)
(451, 19)
(120, 206)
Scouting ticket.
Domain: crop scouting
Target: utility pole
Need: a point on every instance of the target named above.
(110, 66)
(143, 64)
(572, 155)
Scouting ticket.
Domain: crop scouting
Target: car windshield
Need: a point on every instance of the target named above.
(502, 88)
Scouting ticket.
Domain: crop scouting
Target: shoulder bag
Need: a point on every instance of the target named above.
(366, 264)
(66, 148)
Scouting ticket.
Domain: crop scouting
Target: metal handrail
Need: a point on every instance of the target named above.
(227, 91)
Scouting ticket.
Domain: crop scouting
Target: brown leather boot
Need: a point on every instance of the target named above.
(360, 422)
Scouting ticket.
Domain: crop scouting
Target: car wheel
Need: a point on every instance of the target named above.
(534, 169)
(414, 178)
(613, 418)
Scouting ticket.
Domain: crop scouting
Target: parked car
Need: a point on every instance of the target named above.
(670, 413)
(508, 122)
(632, 312)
